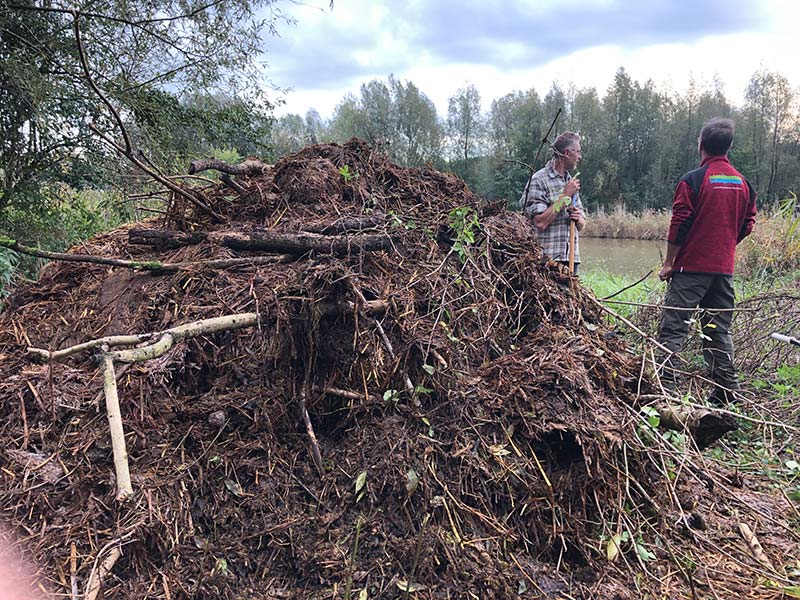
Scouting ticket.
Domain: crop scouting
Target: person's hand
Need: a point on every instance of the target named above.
(665, 274)
(574, 213)
(572, 187)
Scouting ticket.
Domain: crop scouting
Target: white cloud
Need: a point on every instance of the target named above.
(441, 45)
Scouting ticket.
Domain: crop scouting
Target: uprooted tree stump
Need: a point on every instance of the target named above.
(440, 415)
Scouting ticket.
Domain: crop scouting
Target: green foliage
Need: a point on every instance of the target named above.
(464, 223)
(394, 116)
(774, 246)
(135, 50)
(8, 264)
(64, 217)
(347, 174)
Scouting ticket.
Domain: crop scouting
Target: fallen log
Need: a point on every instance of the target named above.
(270, 241)
(247, 168)
(165, 238)
(705, 426)
(153, 266)
(347, 225)
(301, 243)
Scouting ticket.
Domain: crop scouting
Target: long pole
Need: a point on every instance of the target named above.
(544, 141)
(572, 246)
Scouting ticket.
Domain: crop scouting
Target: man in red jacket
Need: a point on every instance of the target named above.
(713, 210)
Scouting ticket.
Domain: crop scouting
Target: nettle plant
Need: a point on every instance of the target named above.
(464, 223)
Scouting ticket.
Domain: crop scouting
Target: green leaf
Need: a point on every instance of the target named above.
(653, 418)
(429, 369)
(363, 594)
(644, 553)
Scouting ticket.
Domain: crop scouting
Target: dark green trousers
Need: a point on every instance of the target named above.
(704, 291)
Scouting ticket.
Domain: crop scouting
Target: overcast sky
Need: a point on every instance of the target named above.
(442, 45)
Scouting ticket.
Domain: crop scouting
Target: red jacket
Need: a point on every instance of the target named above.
(713, 210)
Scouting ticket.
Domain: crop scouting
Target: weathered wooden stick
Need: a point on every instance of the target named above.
(346, 225)
(112, 340)
(755, 546)
(228, 180)
(300, 243)
(175, 334)
(154, 267)
(73, 570)
(97, 576)
(246, 168)
(315, 451)
(124, 486)
(164, 238)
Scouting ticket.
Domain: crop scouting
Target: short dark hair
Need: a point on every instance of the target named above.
(564, 141)
(716, 136)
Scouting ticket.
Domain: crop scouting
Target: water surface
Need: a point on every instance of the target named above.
(622, 257)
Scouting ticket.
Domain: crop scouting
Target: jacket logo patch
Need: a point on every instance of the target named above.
(726, 180)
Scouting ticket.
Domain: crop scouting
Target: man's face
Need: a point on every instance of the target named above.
(572, 156)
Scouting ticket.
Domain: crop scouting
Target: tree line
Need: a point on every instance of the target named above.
(637, 140)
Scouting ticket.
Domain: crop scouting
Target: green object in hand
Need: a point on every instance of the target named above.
(559, 204)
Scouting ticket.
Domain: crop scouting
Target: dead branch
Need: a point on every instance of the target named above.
(128, 150)
(247, 168)
(704, 425)
(97, 576)
(755, 546)
(301, 243)
(348, 225)
(120, 452)
(85, 258)
(163, 238)
(267, 241)
(167, 338)
(228, 180)
(154, 267)
(315, 451)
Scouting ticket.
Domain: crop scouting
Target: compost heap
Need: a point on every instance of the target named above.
(473, 427)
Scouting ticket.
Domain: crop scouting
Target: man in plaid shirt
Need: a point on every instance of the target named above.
(552, 200)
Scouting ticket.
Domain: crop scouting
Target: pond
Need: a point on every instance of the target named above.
(632, 258)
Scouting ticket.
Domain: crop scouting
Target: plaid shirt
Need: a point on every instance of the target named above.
(544, 188)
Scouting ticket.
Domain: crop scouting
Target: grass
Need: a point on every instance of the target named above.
(620, 224)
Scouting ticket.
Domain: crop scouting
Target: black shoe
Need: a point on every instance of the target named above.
(720, 397)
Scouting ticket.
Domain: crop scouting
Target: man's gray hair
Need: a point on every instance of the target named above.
(565, 141)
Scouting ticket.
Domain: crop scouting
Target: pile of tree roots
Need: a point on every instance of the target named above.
(339, 378)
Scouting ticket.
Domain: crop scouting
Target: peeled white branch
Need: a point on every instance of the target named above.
(124, 486)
